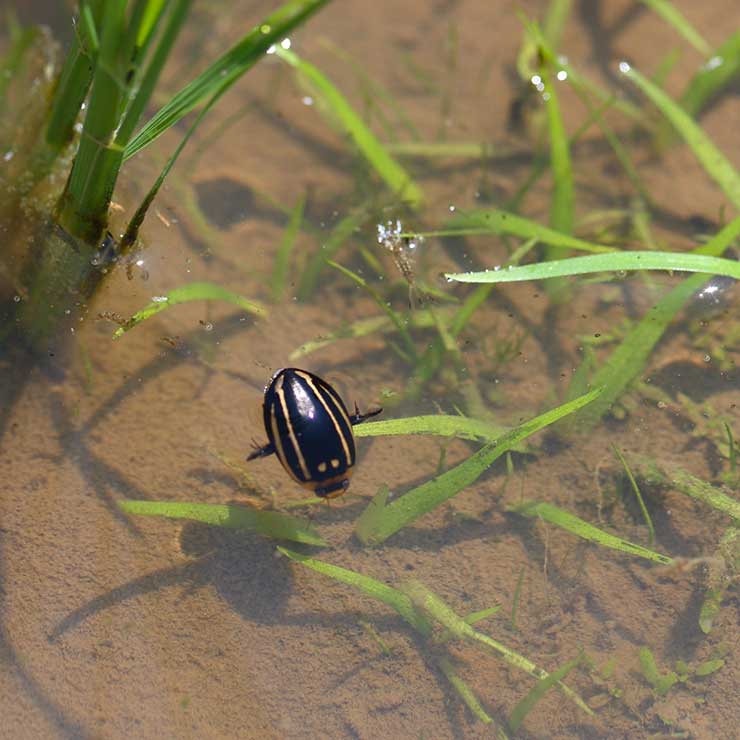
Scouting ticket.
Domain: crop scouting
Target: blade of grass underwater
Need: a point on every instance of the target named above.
(615, 262)
(466, 694)
(226, 70)
(375, 589)
(713, 77)
(638, 495)
(269, 523)
(395, 317)
(674, 18)
(186, 293)
(419, 319)
(397, 179)
(381, 520)
(503, 222)
(281, 264)
(711, 158)
(525, 706)
(442, 425)
(342, 231)
(628, 360)
(402, 604)
(577, 526)
(426, 601)
(692, 486)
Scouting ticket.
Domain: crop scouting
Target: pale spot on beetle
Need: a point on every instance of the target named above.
(322, 467)
(335, 463)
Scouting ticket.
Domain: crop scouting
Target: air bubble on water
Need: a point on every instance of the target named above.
(285, 43)
(17, 298)
(624, 67)
(307, 100)
(707, 358)
(208, 326)
(160, 299)
(452, 208)
(562, 75)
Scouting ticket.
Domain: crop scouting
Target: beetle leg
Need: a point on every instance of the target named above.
(262, 451)
(358, 418)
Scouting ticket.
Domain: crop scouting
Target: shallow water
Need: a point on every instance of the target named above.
(116, 626)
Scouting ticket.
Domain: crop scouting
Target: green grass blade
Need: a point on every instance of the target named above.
(674, 18)
(577, 526)
(503, 222)
(281, 264)
(638, 495)
(713, 77)
(694, 487)
(186, 293)
(138, 103)
(711, 158)
(342, 231)
(269, 523)
(615, 262)
(397, 179)
(441, 425)
(463, 690)
(398, 321)
(225, 71)
(427, 602)
(369, 586)
(381, 520)
(525, 706)
(629, 359)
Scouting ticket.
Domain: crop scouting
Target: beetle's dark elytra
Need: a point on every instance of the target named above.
(310, 430)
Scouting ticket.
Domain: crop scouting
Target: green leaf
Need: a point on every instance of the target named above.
(709, 667)
(615, 262)
(269, 523)
(503, 222)
(369, 586)
(661, 683)
(281, 264)
(586, 531)
(186, 293)
(397, 179)
(225, 71)
(380, 520)
(523, 708)
(713, 161)
(674, 18)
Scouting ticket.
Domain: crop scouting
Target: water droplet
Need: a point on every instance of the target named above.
(285, 43)
(160, 299)
(562, 75)
(452, 208)
(624, 67)
(307, 100)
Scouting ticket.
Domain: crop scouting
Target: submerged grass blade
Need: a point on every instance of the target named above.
(369, 586)
(527, 704)
(638, 495)
(397, 179)
(616, 262)
(674, 18)
(381, 520)
(269, 523)
(711, 158)
(186, 293)
(503, 222)
(713, 77)
(441, 425)
(225, 71)
(281, 265)
(398, 321)
(463, 690)
(577, 526)
(427, 602)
